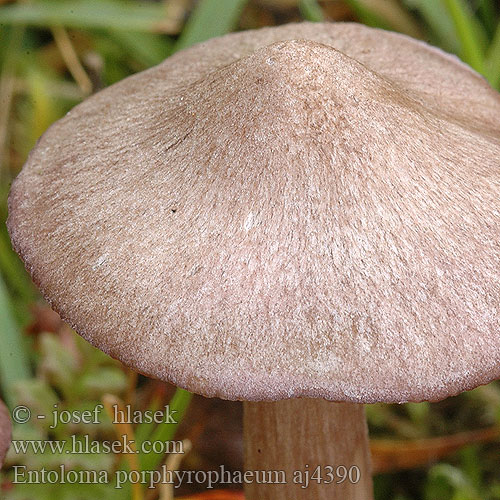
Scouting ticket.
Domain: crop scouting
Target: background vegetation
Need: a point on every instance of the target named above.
(54, 53)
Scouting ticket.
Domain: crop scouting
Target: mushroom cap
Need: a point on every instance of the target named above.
(309, 210)
(5, 432)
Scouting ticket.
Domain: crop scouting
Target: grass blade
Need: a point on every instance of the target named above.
(209, 19)
(311, 10)
(487, 13)
(14, 363)
(15, 276)
(166, 431)
(147, 48)
(439, 22)
(11, 267)
(492, 62)
(367, 16)
(470, 33)
(11, 53)
(44, 109)
(386, 14)
(86, 14)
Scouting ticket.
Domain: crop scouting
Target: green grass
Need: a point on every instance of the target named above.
(471, 33)
(14, 359)
(209, 19)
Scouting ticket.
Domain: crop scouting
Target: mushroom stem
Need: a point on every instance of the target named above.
(297, 436)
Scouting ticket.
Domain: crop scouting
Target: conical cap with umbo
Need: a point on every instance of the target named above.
(308, 210)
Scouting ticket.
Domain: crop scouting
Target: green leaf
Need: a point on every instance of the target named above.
(86, 14)
(166, 431)
(470, 32)
(39, 397)
(106, 380)
(471, 464)
(14, 360)
(16, 278)
(45, 110)
(144, 430)
(487, 13)
(146, 48)
(386, 14)
(311, 10)
(58, 364)
(367, 16)
(448, 482)
(419, 415)
(440, 23)
(492, 62)
(209, 19)
(93, 359)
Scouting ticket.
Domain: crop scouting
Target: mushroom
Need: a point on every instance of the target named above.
(303, 217)
(5, 432)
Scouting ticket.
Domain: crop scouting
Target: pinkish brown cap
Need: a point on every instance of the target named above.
(5, 432)
(308, 210)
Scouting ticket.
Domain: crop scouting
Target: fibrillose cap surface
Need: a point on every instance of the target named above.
(5, 432)
(308, 210)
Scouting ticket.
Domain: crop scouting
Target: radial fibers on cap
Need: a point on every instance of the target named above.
(308, 210)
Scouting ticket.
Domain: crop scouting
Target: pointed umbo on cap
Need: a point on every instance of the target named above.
(5, 431)
(308, 210)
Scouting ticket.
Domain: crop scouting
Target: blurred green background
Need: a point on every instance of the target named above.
(54, 53)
